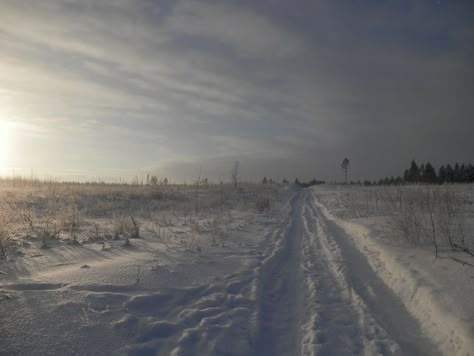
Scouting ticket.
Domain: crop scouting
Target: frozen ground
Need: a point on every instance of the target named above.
(294, 279)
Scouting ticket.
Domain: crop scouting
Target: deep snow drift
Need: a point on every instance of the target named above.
(271, 272)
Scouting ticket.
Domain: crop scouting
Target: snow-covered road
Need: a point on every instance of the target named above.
(319, 295)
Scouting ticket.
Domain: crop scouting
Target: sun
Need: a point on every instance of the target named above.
(5, 142)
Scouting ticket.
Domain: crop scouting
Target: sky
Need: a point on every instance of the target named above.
(111, 89)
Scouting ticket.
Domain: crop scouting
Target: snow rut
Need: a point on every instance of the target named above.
(319, 296)
(279, 297)
(387, 322)
(341, 323)
(332, 325)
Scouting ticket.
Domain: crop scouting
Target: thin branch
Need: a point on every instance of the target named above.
(462, 262)
(464, 249)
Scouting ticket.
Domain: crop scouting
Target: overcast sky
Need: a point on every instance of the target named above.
(115, 88)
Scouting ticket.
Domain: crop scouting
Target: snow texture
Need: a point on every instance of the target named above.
(293, 281)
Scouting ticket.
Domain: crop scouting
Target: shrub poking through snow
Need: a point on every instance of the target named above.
(419, 214)
(72, 219)
(134, 228)
(4, 237)
(5, 220)
(126, 243)
(118, 226)
(262, 204)
(159, 233)
(56, 213)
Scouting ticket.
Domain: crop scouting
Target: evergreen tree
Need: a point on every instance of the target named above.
(463, 173)
(456, 173)
(413, 173)
(264, 180)
(429, 174)
(449, 174)
(442, 175)
(470, 173)
(285, 181)
(406, 176)
(297, 182)
(421, 172)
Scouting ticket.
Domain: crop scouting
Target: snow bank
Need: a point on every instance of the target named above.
(447, 316)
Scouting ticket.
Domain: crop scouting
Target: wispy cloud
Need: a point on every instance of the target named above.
(245, 33)
(146, 83)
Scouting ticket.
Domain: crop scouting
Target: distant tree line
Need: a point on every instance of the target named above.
(310, 183)
(426, 173)
(153, 180)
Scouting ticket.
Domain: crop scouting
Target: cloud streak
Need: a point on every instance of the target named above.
(152, 85)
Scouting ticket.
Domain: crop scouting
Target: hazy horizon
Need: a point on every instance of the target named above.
(100, 90)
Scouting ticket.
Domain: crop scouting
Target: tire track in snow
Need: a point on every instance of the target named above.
(386, 325)
(279, 296)
(319, 296)
(332, 326)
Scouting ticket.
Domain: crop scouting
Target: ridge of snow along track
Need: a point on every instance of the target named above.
(339, 322)
(449, 334)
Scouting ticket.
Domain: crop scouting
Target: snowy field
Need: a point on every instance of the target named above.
(261, 270)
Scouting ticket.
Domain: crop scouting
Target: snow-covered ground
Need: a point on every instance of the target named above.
(262, 271)
(186, 287)
(437, 291)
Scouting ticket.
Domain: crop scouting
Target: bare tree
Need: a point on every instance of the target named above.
(198, 181)
(234, 173)
(430, 204)
(345, 167)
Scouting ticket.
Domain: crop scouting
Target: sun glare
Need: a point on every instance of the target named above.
(5, 141)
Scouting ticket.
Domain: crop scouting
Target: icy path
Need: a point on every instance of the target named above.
(319, 295)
